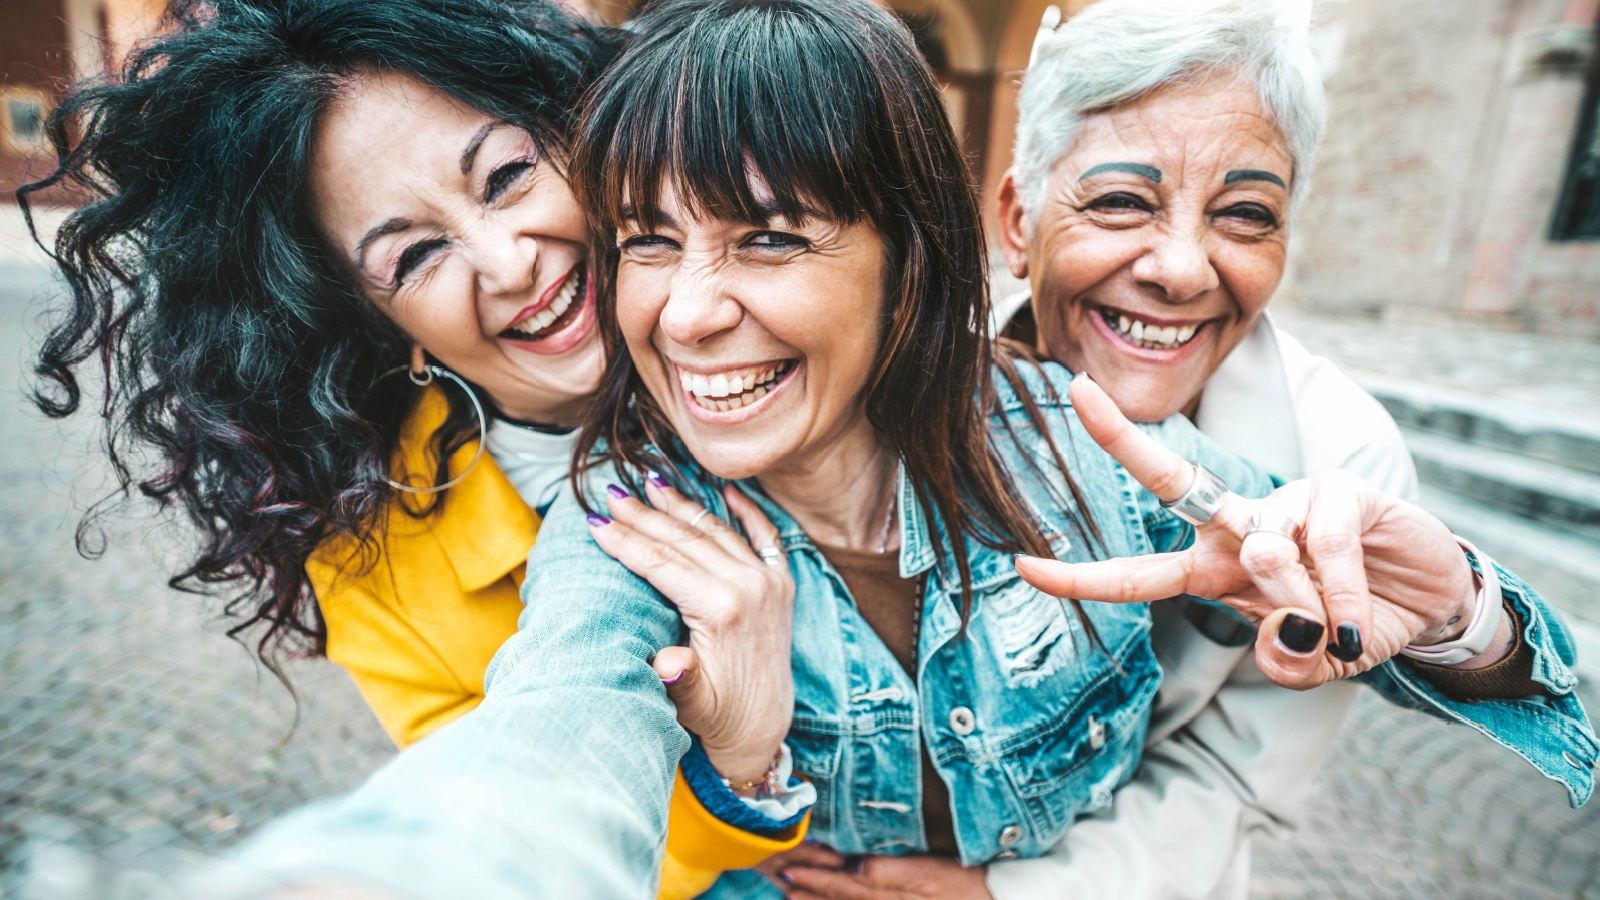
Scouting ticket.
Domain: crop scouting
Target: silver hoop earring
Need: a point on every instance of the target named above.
(424, 379)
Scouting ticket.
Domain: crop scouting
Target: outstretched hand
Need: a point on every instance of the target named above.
(1363, 575)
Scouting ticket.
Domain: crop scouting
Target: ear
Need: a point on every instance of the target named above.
(1015, 229)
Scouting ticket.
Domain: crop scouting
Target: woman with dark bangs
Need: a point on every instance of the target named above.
(794, 314)
(343, 292)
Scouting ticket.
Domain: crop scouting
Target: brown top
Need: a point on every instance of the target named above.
(1509, 679)
(889, 604)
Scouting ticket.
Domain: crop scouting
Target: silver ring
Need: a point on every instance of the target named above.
(698, 516)
(1273, 523)
(772, 556)
(1203, 498)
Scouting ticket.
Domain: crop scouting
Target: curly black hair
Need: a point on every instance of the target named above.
(229, 346)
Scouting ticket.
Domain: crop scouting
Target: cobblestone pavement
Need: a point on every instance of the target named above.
(131, 729)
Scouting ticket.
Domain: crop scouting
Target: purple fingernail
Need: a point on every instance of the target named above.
(598, 520)
(658, 481)
(787, 878)
(616, 492)
(673, 680)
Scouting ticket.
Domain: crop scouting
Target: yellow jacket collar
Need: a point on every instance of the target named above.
(484, 526)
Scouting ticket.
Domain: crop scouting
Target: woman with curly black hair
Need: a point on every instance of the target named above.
(332, 277)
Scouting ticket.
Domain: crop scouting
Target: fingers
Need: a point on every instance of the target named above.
(1129, 580)
(1335, 523)
(669, 571)
(760, 530)
(828, 884)
(1289, 650)
(678, 668)
(710, 543)
(1164, 473)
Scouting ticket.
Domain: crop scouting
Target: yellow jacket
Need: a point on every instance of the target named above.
(416, 630)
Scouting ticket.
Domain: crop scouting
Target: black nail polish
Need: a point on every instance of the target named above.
(1299, 634)
(616, 492)
(1347, 647)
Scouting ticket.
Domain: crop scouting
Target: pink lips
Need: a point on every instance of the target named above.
(732, 416)
(1176, 354)
(581, 326)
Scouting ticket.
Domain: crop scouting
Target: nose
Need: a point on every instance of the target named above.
(1179, 265)
(507, 262)
(698, 307)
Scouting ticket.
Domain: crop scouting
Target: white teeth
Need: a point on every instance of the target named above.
(558, 307)
(1158, 337)
(725, 392)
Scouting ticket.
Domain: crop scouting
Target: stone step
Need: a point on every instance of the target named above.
(1561, 498)
(1571, 442)
(1561, 564)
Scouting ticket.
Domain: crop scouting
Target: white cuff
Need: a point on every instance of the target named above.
(787, 803)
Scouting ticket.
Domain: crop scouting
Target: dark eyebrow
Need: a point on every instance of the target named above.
(1143, 171)
(390, 227)
(471, 153)
(1253, 175)
(630, 213)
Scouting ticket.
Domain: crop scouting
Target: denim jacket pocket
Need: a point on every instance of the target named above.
(817, 745)
(1071, 766)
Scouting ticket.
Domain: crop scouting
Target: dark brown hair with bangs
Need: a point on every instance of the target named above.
(828, 105)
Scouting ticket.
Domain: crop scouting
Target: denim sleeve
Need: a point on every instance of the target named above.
(557, 785)
(1551, 731)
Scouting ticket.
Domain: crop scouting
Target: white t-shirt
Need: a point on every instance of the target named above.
(536, 462)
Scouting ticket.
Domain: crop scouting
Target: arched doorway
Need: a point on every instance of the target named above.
(952, 42)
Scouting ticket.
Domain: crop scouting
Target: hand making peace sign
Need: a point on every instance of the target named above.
(1338, 575)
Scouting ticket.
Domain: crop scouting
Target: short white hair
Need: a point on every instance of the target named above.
(1117, 51)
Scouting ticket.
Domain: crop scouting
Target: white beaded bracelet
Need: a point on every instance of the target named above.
(1485, 619)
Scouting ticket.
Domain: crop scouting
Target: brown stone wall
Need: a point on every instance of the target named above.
(33, 54)
(1452, 122)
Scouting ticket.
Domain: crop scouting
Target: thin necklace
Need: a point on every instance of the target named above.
(888, 522)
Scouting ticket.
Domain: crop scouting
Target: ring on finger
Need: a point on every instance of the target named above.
(1273, 522)
(1202, 500)
(698, 516)
(772, 556)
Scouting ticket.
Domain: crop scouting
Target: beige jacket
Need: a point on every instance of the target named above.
(1230, 755)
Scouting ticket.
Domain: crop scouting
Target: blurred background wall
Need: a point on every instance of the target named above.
(1460, 181)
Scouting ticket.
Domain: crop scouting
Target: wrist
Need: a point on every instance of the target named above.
(745, 766)
(1453, 625)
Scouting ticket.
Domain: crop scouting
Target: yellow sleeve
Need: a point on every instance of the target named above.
(701, 846)
(418, 659)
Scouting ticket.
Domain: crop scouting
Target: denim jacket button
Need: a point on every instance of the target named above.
(1572, 761)
(1097, 733)
(1005, 854)
(962, 721)
(1009, 836)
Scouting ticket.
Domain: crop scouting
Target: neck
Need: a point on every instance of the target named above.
(841, 493)
(558, 417)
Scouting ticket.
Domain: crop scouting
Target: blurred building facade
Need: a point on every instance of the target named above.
(1460, 180)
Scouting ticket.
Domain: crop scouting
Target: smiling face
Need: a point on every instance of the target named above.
(461, 232)
(755, 341)
(1159, 241)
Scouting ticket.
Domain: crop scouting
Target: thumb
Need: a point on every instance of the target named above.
(679, 669)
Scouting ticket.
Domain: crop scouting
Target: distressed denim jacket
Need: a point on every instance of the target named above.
(1030, 725)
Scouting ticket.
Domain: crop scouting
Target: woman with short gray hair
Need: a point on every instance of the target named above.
(1161, 148)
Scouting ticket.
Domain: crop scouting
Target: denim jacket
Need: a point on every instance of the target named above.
(1030, 725)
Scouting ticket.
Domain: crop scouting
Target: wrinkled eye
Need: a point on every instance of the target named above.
(1251, 212)
(645, 243)
(777, 240)
(1120, 202)
(504, 177)
(414, 255)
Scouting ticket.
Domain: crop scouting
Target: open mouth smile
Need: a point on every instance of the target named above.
(1146, 334)
(733, 394)
(561, 306)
